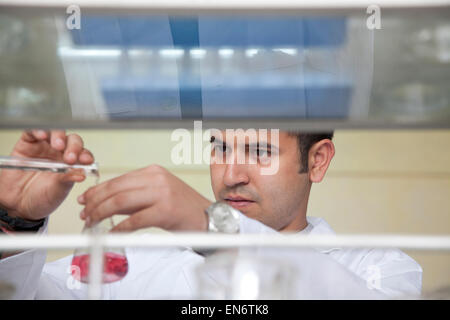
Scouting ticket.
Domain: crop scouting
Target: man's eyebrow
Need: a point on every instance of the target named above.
(249, 145)
(261, 144)
(218, 141)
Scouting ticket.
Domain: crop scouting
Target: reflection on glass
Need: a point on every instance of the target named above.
(412, 70)
(210, 66)
(32, 82)
(245, 277)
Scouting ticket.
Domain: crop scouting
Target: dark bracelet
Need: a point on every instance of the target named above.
(19, 224)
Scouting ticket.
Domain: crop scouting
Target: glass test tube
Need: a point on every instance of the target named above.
(33, 164)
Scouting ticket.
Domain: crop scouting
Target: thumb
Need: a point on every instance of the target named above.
(73, 176)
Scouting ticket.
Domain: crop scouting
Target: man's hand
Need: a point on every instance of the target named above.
(34, 195)
(152, 196)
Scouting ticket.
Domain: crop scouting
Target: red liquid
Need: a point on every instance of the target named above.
(115, 267)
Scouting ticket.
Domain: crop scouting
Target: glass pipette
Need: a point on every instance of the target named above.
(45, 165)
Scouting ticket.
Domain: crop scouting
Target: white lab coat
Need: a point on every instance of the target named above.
(332, 273)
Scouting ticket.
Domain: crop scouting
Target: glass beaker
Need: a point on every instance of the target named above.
(115, 262)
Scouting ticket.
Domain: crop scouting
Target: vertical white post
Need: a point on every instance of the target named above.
(95, 268)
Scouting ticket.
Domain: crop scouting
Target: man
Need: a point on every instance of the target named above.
(152, 196)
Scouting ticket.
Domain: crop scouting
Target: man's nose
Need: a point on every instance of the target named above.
(235, 174)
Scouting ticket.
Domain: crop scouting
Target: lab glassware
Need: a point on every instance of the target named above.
(244, 276)
(115, 262)
(33, 164)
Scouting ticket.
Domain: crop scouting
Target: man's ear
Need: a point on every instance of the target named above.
(319, 158)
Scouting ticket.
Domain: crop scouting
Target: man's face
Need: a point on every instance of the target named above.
(278, 200)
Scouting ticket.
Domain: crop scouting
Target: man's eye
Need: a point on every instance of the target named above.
(220, 148)
(260, 152)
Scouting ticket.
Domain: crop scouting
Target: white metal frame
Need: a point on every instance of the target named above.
(97, 243)
(227, 4)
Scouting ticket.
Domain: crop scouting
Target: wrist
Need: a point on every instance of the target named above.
(10, 224)
(11, 213)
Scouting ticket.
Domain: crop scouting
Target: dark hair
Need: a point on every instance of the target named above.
(305, 141)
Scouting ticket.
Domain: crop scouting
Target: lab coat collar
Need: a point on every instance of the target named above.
(317, 226)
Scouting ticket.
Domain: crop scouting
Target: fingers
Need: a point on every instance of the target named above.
(58, 139)
(56, 145)
(126, 202)
(35, 135)
(76, 175)
(37, 144)
(98, 194)
(142, 219)
(86, 157)
(71, 145)
(74, 148)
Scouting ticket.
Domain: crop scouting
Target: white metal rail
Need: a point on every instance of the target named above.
(202, 240)
(97, 243)
(227, 4)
